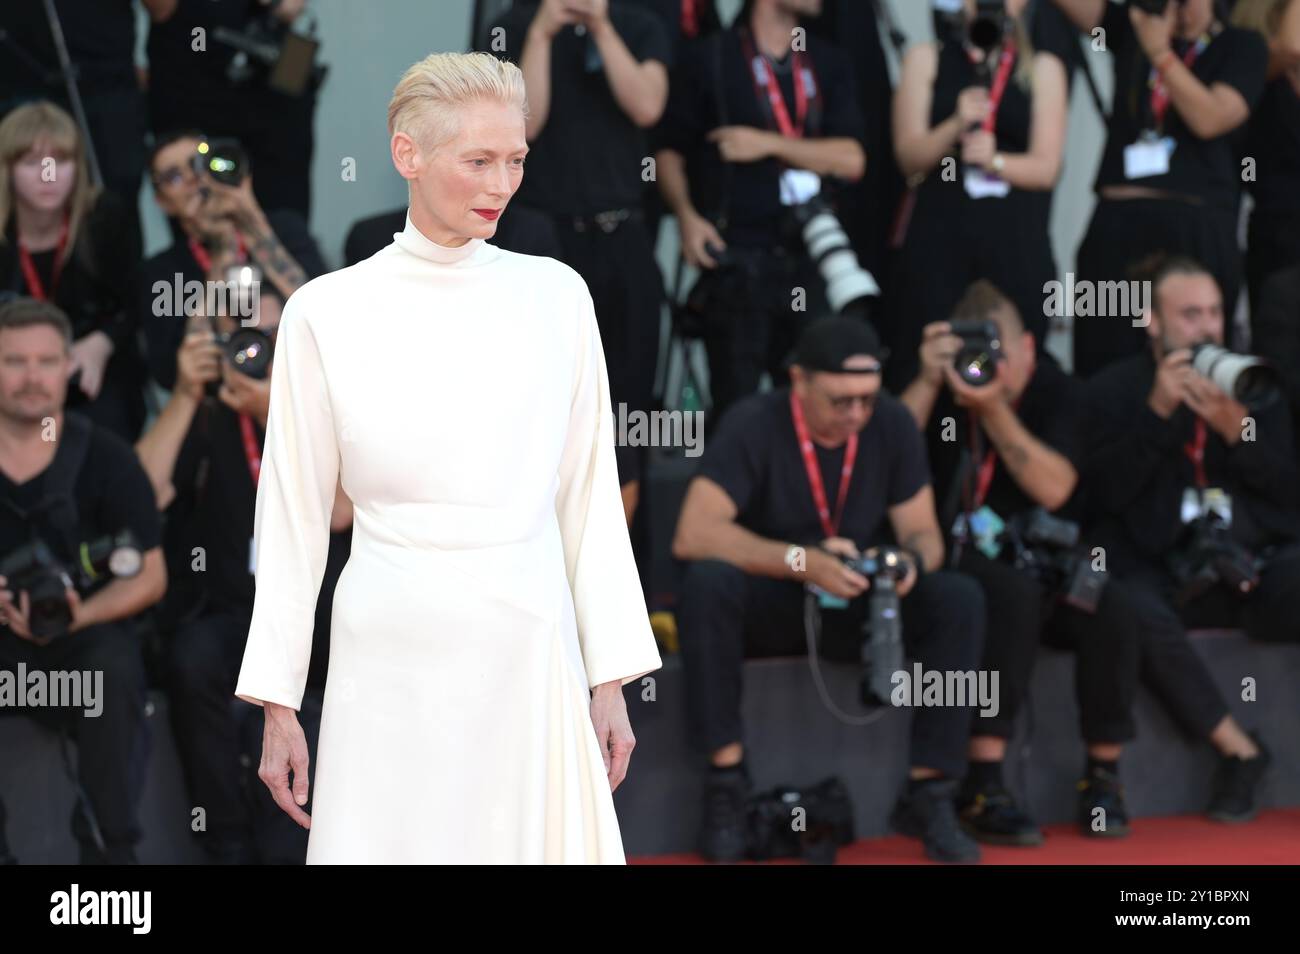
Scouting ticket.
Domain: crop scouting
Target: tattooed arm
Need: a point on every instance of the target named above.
(279, 267)
(1044, 474)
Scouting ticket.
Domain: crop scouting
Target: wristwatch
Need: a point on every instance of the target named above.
(999, 163)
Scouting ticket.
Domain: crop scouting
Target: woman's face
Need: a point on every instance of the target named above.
(463, 184)
(43, 178)
(1193, 17)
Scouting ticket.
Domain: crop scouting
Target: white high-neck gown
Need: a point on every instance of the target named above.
(461, 393)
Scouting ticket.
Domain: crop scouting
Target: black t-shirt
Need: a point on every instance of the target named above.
(216, 499)
(164, 333)
(1274, 143)
(753, 196)
(1048, 409)
(100, 35)
(1049, 33)
(590, 156)
(754, 456)
(112, 493)
(1206, 169)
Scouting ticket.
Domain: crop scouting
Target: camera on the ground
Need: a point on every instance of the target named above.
(976, 360)
(33, 567)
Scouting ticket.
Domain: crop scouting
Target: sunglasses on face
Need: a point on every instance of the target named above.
(847, 401)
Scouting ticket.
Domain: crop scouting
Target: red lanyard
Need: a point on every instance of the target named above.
(761, 71)
(984, 478)
(814, 471)
(252, 452)
(690, 19)
(999, 88)
(34, 285)
(1195, 450)
(205, 260)
(1159, 92)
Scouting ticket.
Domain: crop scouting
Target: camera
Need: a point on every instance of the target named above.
(882, 645)
(269, 51)
(249, 351)
(1252, 381)
(850, 288)
(34, 567)
(225, 160)
(976, 361)
(1208, 556)
(1047, 548)
(989, 25)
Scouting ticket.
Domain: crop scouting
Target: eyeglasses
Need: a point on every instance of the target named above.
(172, 175)
(847, 401)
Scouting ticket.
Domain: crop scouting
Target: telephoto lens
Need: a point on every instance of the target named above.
(1251, 380)
(988, 26)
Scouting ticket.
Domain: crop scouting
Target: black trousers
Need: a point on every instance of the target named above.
(1124, 233)
(1021, 611)
(726, 616)
(749, 320)
(627, 290)
(112, 747)
(203, 660)
(1273, 239)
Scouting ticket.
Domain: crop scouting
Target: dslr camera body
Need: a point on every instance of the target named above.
(976, 361)
(1209, 556)
(34, 567)
(882, 630)
(1047, 548)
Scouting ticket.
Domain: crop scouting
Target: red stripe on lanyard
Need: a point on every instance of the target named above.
(759, 64)
(1195, 450)
(204, 259)
(33, 280)
(815, 474)
(1000, 80)
(1160, 93)
(252, 453)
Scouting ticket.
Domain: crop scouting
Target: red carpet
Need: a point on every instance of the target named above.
(1273, 838)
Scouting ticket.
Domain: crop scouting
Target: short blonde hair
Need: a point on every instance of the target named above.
(428, 96)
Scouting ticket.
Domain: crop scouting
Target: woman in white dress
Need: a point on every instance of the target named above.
(490, 612)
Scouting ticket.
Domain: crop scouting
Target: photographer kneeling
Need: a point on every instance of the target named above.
(1192, 494)
(757, 525)
(1002, 466)
(77, 511)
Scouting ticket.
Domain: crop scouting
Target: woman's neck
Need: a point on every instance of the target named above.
(39, 229)
(773, 30)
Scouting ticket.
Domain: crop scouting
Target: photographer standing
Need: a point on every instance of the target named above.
(757, 123)
(1170, 180)
(1192, 495)
(66, 482)
(1003, 451)
(1002, 112)
(203, 455)
(755, 535)
(220, 227)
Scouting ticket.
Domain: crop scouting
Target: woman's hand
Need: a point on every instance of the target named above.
(613, 730)
(284, 750)
(1155, 31)
(973, 106)
(90, 356)
(978, 148)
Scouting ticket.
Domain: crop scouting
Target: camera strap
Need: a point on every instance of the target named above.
(34, 286)
(998, 89)
(807, 95)
(1156, 81)
(815, 474)
(60, 480)
(1195, 451)
(204, 257)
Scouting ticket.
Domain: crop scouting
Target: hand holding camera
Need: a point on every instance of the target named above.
(1153, 22)
(973, 107)
(701, 240)
(18, 617)
(198, 361)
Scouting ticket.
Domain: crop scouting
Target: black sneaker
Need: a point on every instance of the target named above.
(1102, 790)
(722, 831)
(1235, 782)
(928, 813)
(992, 816)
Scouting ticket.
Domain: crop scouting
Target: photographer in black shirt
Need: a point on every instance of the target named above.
(1170, 177)
(754, 125)
(68, 483)
(1005, 451)
(1192, 496)
(203, 455)
(757, 525)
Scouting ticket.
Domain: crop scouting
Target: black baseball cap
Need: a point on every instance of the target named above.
(828, 342)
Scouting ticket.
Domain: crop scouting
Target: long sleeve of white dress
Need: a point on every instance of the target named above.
(295, 496)
(613, 627)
